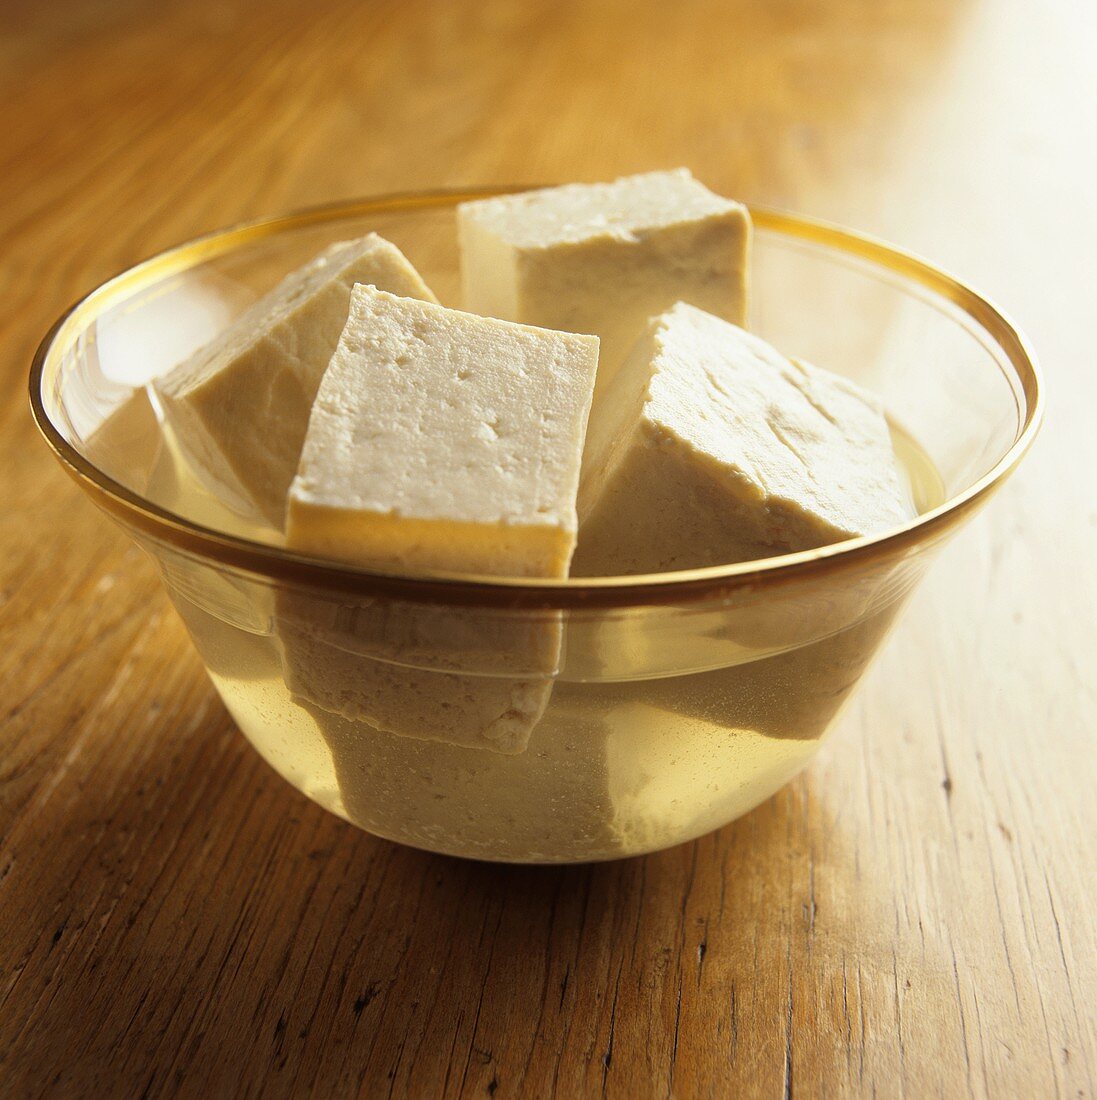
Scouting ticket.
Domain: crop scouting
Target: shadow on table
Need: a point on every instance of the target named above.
(284, 952)
(397, 969)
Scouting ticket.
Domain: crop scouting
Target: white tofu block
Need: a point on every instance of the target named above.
(239, 407)
(395, 666)
(605, 257)
(545, 804)
(442, 440)
(128, 443)
(438, 441)
(670, 779)
(712, 447)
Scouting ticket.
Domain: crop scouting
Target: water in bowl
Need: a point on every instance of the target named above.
(625, 759)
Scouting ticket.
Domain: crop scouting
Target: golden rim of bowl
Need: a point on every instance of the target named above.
(687, 585)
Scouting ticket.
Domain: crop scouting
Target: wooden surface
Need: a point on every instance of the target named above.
(914, 916)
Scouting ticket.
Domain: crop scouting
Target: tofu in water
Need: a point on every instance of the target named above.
(439, 440)
(712, 447)
(669, 779)
(238, 409)
(604, 257)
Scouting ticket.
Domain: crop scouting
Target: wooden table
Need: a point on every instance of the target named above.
(914, 916)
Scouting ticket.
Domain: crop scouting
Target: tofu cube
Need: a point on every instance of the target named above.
(712, 447)
(439, 440)
(605, 257)
(238, 408)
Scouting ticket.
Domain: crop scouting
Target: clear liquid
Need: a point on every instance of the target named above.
(623, 761)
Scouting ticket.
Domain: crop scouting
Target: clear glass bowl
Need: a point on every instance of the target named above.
(669, 704)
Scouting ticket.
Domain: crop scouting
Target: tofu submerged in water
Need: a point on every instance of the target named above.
(604, 257)
(712, 447)
(239, 408)
(439, 440)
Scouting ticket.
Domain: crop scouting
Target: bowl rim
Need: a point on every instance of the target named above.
(286, 566)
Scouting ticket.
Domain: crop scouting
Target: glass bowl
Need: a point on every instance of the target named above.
(662, 706)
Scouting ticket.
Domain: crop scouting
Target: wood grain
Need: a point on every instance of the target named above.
(913, 917)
